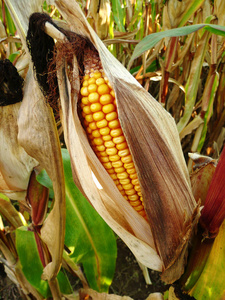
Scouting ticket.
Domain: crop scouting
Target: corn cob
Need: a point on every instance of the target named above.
(100, 120)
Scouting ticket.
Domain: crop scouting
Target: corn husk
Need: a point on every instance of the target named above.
(154, 143)
(15, 164)
(38, 136)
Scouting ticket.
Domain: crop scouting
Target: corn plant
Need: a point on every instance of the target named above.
(139, 149)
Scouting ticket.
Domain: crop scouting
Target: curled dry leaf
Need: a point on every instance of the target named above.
(154, 144)
(100, 296)
(15, 164)
(38, 136)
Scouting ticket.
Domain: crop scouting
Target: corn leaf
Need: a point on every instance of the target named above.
(192, 7)
(32, 266)
(118, 14)
(84, 229)
(151, 40)
(38, 136)
(210, 285)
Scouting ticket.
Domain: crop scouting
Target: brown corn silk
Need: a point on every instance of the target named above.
(155, 147)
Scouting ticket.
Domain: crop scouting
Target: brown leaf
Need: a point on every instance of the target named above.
(38, 136)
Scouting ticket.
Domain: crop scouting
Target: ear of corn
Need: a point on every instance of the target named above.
(100, 119)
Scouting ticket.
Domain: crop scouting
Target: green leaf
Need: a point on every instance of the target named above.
(13, 56)
(88, 237)
(151, 40)
(210, 285)
(118, 14)
(193, 6)
(32, 266)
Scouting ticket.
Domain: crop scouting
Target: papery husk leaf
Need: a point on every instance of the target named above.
(15, 164)
(154, 143)
(108, 202)
(38, 136)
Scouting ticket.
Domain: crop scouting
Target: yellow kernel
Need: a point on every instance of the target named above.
(114, 124)
(102, 123)
(135, 203)
(119, 186)
(100, 148)
(86, 77)
(98, 116)
(116, 182)
(84, 91)
(111, 116)
(92, 125)
(107, 165)
(137, 188)
(85, 83)
(122, 146)
(106, 99)
(119, 170)
(131, 171)
(114, 158)
(111, 171)
(89, 130)
(117, 164)
(133, 176)
(124, 181)
(95, 107)
(91, 80)
(127, 159)
(128, 186)
(100, 81)
(106, 137)
(97, 75)
(130, 192)
(113, 94)
(115, 103)
(139, 194)
(103, 159)
(96, 133)
(142, 213)
(113, 176)
(103, 89)
(139, 207)
(109, 144)
(108, 108)
(123, 175)
(89, 118)
(98, 141)
(105, 131)
(92, 88)
(124, 152)
(103, 154)
(111, 151)
(116, 132)
(133, 197)
(122, 192)
(135, 181)
(129, 165)
(87, 110)
(84, 100)
(119, 139)
(93, 97)
(83, 114)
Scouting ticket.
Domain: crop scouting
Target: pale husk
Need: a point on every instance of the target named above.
(154, 143)
(38, 136)
(15, 164)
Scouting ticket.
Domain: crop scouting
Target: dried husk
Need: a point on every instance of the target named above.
(38, 135)
(154, 143)
(15, 164)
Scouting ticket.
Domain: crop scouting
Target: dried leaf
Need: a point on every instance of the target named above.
(38, 136)
(100, 296)
(15, 164)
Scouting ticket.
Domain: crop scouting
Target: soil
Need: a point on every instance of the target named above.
(128, 279)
